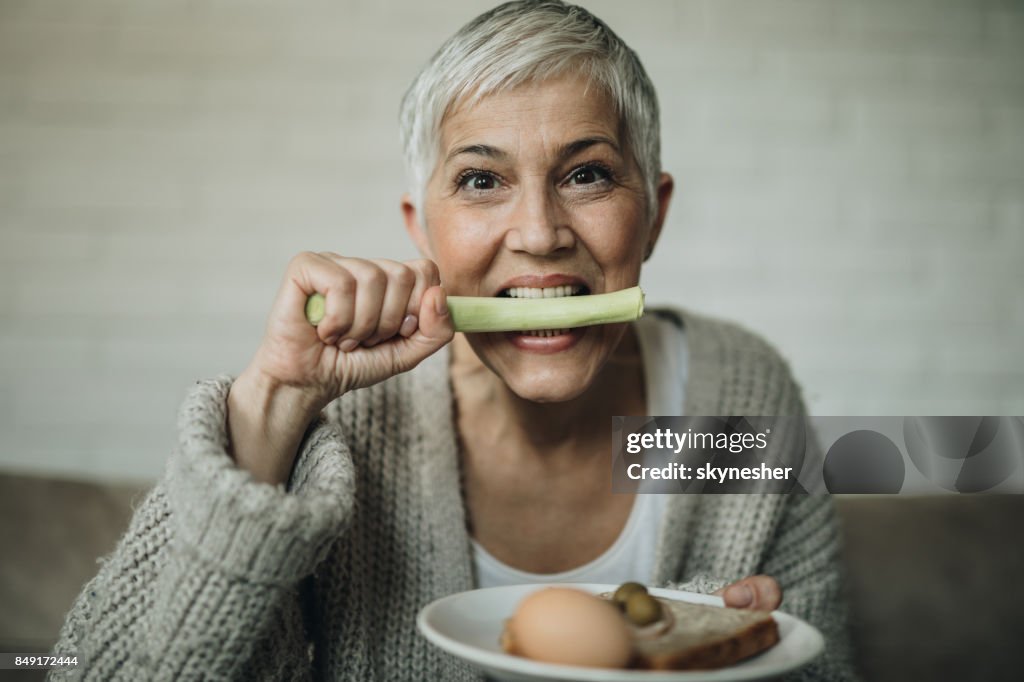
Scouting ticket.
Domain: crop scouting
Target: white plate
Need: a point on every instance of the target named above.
(469, 624)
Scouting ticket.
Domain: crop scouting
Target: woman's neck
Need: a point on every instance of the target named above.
(506, 419)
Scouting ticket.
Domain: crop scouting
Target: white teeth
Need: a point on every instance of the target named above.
(546, 332)
(546, 292)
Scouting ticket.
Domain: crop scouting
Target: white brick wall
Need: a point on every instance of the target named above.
(849, 176)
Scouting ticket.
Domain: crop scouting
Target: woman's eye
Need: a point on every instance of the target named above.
(478, 181)
(587, 175)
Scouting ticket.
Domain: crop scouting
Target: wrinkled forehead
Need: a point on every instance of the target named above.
(553, 111)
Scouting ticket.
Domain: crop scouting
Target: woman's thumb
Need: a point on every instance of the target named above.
(434, 331)
(435, 320)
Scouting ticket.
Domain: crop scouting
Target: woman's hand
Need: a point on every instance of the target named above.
(759, 592)
(381, 318)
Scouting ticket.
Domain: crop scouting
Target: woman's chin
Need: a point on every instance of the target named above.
(544, 368)
(548, 386)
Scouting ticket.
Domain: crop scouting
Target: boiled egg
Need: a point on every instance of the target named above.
(570, 627)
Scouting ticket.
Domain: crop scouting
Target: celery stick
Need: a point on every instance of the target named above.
(493, 314)
(315, 307)
(483, 314)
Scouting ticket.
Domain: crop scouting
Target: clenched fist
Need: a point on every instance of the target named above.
(381, 318)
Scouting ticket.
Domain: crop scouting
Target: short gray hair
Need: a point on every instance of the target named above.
(519, 42)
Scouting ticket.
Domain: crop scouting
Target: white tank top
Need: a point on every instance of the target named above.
(631, 557)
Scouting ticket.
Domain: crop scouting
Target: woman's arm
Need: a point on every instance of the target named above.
(801, 568)
(804, 558)
(206, 581)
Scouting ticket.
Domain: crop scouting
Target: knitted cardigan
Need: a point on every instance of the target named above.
(222, 577)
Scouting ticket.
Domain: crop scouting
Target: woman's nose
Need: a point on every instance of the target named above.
(539, 225)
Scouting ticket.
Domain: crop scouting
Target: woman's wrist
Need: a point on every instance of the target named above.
(266, 423)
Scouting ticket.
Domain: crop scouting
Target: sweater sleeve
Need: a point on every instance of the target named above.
(702, 584)
(805, 558)
(206, 582)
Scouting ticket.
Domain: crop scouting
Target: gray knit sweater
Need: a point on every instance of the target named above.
(221, 577)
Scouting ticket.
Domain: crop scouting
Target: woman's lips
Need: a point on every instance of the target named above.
(546, 345)
(543, 282)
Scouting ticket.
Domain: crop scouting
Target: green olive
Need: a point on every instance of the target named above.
(622, 594)
(642, 608)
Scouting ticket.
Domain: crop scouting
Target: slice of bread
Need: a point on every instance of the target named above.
(700, 636)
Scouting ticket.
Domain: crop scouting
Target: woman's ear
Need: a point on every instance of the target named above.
(414, 227)
(664, 196)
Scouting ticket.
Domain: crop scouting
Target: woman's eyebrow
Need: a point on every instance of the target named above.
(573, 148)
(479, 150)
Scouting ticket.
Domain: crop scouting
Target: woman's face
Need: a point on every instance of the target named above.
(535, 194)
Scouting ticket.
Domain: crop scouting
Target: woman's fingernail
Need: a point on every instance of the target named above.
(409, 325)
(348, 345)
(441, 305)
(740, 596)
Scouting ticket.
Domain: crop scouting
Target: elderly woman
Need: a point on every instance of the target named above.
(357, 470)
